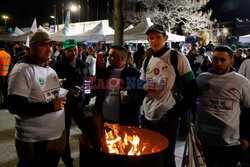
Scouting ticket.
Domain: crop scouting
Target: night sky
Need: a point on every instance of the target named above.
(22, 13)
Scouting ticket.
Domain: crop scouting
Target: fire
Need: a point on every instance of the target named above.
(129, 145)
(132, 141)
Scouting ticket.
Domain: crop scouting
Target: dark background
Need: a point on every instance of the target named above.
(22, 13)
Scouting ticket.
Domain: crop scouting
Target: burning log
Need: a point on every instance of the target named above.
(115, 128)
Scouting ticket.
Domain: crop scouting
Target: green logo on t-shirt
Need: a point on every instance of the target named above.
(41, 81)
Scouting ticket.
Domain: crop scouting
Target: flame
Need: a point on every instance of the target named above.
(128, 146)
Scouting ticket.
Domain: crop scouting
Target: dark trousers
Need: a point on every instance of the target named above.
(4, 87)
(40, 154)
(168, 128)
(75, 112)
(222, 156)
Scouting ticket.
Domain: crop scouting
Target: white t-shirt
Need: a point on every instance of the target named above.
(157, 104)
(38, 84)
(210, 54)
(112, 100)
(200, 59)
(245, 69)
(91, 63)
(219, 108)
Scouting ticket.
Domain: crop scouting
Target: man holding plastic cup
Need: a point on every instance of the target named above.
(160, 108)
(116, 100)
(73, 73)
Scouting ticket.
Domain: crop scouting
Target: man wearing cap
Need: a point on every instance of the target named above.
(210, 50)
(74, 73)
(33, 91)
(159, 105)
(202, 61)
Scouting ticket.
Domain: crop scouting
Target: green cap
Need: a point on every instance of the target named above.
(234, 47)
(69, 43)
(202, 49)
(211, 45)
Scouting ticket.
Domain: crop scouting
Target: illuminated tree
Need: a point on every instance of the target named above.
(173, 12)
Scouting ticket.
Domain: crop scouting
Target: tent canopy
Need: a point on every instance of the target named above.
(44, 30)
(16, 32)
(244, 39)
(138, 33)
(96, 34)
(64, 33)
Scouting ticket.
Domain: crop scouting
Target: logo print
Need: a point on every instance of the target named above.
(54, 77)
(156, 71)
(231, 89)
(41, 81)
(165, 67)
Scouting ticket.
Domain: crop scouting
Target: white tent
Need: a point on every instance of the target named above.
(138, 33)
(25, 29)
(64, 33)
(96, 34)
(244, 39)
(23, 36)
(34, 26)
(44, 30)
(16, 32)
(129, 27)
(175, 37)
(20, 38)
(139, 29)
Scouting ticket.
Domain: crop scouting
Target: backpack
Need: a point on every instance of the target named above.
(174, 61)
(205, 64)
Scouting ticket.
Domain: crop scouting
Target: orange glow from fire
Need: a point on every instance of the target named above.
(129, 145)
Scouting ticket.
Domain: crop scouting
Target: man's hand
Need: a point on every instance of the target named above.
(125, 99)
(59, 103)
(244, 144)
(151, 87)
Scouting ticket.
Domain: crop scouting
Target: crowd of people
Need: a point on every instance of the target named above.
(152, 87)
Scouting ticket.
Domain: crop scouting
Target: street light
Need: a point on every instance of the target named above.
(5, 17)
(73, 8)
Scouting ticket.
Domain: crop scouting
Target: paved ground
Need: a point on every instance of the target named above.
(8, 156)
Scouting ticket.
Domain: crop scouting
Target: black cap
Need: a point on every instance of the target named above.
(156, 28)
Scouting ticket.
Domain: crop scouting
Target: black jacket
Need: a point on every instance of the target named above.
(128, 112)
(73, 77)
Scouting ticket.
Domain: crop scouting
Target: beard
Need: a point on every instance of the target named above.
(220, 70)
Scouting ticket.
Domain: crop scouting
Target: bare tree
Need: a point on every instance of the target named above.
(172, 12)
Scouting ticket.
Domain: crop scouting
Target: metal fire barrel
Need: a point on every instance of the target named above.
(94, 158)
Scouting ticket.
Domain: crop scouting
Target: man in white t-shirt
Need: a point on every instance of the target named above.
(222, 94)
(245, 69)
(33, 96)
(159, 106)
(91, 61)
